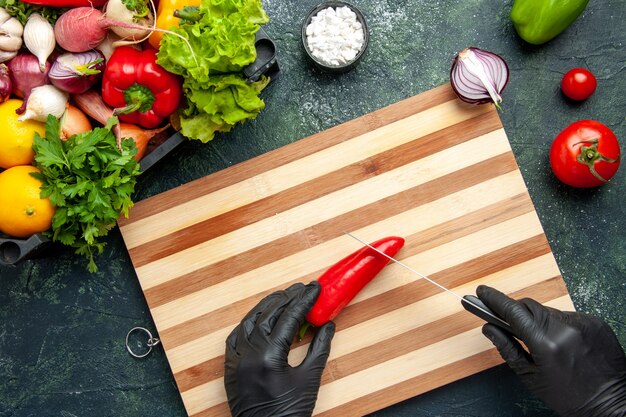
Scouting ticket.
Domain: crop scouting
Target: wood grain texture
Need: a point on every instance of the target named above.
(431, 169)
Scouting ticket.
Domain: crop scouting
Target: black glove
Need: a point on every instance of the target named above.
(259, 381)
(574, 362)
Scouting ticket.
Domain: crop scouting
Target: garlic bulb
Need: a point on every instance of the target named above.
(11, 31)
(39, 38)
(44, 100)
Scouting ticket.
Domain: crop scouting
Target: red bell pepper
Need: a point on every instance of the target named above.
(343, 281)
(140, 90)
(67, 3)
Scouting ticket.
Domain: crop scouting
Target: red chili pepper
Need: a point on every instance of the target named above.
(142, 92)
(343, 281)
(67, 3)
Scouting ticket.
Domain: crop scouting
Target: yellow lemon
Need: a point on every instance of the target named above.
(16, 138)
(22, 211)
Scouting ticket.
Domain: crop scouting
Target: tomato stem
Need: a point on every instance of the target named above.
(589, 155)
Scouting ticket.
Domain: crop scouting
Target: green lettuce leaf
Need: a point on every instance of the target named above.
(223, 40)
(224, 101)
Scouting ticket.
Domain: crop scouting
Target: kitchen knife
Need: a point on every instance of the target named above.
(471, 303)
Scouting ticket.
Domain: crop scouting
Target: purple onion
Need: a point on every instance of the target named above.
(26, 75)
(478, 76)
(77, 72)
(5, 83)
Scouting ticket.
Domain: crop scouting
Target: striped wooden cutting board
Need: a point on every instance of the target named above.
(430, 168)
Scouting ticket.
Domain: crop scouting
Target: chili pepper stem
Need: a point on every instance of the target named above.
(305, 326)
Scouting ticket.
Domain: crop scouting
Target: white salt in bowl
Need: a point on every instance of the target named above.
(350, 56)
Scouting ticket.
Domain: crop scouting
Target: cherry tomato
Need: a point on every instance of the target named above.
(578, 84)
(585, 154)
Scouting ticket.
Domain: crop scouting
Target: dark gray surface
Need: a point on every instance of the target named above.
(62, 329)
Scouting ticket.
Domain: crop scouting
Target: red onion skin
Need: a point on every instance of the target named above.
(25, 75)
(76, 84)
(5, 83)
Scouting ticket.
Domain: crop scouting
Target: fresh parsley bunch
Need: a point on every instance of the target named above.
(89, 180)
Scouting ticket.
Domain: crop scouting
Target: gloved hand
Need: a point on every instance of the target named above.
(574, 362)
(259, 381)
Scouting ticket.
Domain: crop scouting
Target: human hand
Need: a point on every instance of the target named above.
(574, 362)
(259, 381)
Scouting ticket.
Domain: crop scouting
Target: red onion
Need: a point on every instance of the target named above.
(77, 72)
(25, 75)
(478, 76)
(5, 83)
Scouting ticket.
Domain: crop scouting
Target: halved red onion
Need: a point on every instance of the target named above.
(76, 73)
(478, 76)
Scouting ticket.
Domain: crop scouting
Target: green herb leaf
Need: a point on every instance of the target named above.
(49, 152)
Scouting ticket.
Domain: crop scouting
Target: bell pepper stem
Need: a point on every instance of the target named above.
(138, 98)
(127, 109)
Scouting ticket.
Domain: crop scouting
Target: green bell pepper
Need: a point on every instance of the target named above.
(538, 21)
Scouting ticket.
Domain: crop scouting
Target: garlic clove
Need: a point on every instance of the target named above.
(10, 43)
(39, 38)
(43, 101)
(12, 27)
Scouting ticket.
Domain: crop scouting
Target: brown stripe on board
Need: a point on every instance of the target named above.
(310, 190)
(290, 153)
(406, 295)
(473, 222)
(291, 244)
(446, 232)
(415, 386)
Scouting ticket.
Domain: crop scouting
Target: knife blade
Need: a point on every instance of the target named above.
(471, 303)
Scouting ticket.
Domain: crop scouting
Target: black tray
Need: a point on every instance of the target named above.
(14, 250)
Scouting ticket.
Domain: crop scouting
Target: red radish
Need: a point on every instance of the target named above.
(83, 28)
(119, 10)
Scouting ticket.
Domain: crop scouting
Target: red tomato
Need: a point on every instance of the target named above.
(585, 154)
(578, 84)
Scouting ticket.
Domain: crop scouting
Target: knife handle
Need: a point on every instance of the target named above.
(475, 306)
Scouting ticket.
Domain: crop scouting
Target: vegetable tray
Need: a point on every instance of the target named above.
(14, 250)
(432, 169)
